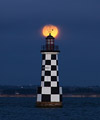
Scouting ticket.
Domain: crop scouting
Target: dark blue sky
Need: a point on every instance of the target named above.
(79, 41)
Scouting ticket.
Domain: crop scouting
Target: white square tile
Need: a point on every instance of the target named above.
(46, 90)
(48, 67)
(43, 62)
(53, 73)
(48, 56)
(53, 62)
(53, 84)
(42, 83)
(55, 98)
(57, 67)
(57, 78)
(60, 89)
(39, 98)
(43, 72)
(56, 57)
(47, 78)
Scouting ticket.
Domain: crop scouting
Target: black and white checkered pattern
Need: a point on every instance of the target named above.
(49, 90)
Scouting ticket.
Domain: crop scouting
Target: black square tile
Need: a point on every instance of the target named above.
(54, 90)
(53, 78)
(39, 90)
(43, 67)
(45, 98)
(53, 57)
(47, 84)
(43, 57)
(42, 78)
(56, 62)
(53, 67)
(57, 73)
(57, 84)
(47, 73)
(48, 62)
(60, 98)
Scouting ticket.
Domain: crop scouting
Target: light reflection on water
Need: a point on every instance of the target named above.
(73, 109)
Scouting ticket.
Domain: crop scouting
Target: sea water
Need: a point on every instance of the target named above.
(73, 109)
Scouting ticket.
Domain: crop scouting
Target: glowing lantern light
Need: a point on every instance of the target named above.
(50, 30)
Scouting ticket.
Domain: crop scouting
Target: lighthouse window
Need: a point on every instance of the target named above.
(48, 42)
(51, 42)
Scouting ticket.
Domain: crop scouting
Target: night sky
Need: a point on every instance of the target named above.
(79, 40)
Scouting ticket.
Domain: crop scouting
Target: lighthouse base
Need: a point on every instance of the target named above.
(49, 104)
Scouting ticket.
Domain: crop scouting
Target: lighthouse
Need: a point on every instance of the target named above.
(49, 94)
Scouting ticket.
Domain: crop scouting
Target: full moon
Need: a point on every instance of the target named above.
(50, 29)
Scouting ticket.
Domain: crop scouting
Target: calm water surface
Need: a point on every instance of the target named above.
(73, 109)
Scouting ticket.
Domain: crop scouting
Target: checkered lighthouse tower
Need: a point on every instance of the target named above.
(49, 94)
